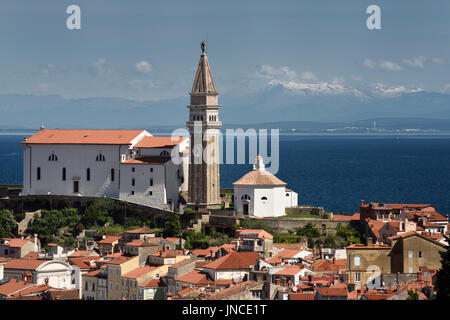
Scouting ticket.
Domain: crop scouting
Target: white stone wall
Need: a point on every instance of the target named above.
(142, 175)
(291, 199)
(76, 159)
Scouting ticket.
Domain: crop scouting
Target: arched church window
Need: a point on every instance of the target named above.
(164, 153)
(100, 157)
(245, 197)
(264, 198)
(287, 194)
(52, 157)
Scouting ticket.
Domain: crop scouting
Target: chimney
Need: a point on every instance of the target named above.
(419, 276)
(369, 241)
(362, 202)
(35, 243)
(334, 260)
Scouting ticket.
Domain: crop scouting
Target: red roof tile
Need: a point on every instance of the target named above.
(159, 142)
(234, 260)
(65, 136)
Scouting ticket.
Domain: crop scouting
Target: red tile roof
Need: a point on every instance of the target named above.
(253, 233)
(139, 272)
(24, 264)
(152, 283)
(345, 217)
(110, 239)
(159, 142)
(234, 260)
(259, 178)
(195, 277)
(147, 160)
(301, 296)
(142, 230)
(333, 291)
(17, 243)
(13, 286)
(289, 271)
(65, 136)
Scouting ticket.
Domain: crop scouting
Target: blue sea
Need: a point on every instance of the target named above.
(335, 172)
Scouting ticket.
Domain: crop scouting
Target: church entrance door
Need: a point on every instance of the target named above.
(245, 209)
(76, 186)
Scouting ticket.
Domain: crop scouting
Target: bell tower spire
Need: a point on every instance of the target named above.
(203, 125)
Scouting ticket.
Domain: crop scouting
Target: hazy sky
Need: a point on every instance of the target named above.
(145, 49)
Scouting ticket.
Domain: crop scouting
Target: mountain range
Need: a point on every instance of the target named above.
(277, 102)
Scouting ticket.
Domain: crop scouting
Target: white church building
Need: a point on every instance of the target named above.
(130, 165)
(259, 193)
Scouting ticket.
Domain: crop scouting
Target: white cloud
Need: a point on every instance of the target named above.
(308, 76)
(143, 67)
(391, 91)
(98, 67)
(312, 88)
(267, 71)
(369, 63)
(439, 61)
(390, 66)
(416, 62)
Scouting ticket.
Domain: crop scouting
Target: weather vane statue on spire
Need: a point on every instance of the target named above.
(203, 46)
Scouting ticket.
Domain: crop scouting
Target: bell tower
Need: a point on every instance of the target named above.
(203, 125)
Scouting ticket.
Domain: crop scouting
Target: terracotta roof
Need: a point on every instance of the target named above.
(159, 142)
(376, 226)
(140, 243)
(395, 206)
(413, 233)
(139, 272)
(259, 178)
(195, 277)
(142, 230)
(69, 136)
(61, 294)
(13, 286)
(17, 243)
(373, 246)
(110, 239)
(253, 233)
(234, 260)
(205, 252)
(32, 290)
(172, 239)
(333, 291)
(346, 217)
(84, 262)
(83, 253)
(229, 247)
(152, 283)
(120, 259)
(301, 296)
(24, 264)
(92, 273)
(147, 160)
(182, 263)
(236, 289)
(289, 271)
(284, 254)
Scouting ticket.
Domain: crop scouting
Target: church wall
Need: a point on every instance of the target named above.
(76, 159)
(239, 192)
(142, 188)
(273, 206)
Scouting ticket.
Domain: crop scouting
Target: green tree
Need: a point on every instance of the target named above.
(172, 227)
(8, 226)
(309, 231)
(413, 295)
(255, 224)
(443, 274)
